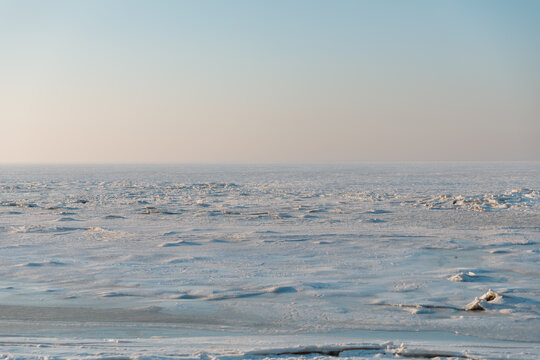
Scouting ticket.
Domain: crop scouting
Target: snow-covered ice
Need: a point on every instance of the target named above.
(235, 262)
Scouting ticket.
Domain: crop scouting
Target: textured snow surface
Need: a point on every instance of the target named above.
(228, 262)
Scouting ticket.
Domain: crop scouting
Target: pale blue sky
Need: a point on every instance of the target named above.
(269, 81)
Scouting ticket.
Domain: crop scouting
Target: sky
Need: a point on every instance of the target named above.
(276, 81)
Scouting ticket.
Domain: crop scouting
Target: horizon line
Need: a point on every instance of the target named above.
(351, 163)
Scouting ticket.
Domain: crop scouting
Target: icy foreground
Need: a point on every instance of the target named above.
(385, 261)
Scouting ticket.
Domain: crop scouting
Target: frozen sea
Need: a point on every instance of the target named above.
(415, 260)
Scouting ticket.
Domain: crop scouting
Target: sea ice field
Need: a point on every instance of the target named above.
(410, 260)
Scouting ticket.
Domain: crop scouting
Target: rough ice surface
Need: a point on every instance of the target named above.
(236, 262)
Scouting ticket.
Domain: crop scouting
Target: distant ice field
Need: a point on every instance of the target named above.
(413, 260)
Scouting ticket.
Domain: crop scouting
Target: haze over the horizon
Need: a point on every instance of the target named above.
(268, 81)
